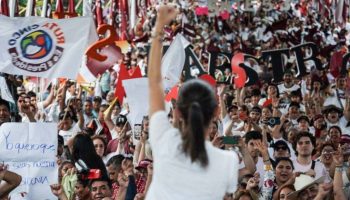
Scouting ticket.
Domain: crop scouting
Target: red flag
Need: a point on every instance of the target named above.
(113, 13)
(71, 9)
(172, 94)
(267, 103)
(59, 13)
(124, 19)
(98, 13)
(124, 75)
(4, 9)
(209, 79)
(336, 63)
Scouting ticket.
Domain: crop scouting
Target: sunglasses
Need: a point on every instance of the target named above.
(281, 147)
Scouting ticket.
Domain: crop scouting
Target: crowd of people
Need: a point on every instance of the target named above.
(272, 140)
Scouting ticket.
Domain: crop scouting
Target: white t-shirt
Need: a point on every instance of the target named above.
(333, 100)
(70, 133)
(176, 177)
(319, 169)
(282, 88)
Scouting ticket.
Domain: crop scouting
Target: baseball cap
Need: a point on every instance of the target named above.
(330, 108)
(280, 144)
(143, 164)
(303, 117)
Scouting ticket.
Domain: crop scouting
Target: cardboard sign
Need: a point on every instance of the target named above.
(30, 149)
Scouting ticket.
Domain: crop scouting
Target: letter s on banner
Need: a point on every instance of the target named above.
(240, 75)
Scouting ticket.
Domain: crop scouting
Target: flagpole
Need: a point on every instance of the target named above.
(29, 8)
(44, 9)
(12, 7)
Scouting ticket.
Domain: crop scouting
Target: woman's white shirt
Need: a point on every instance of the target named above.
(176, 177)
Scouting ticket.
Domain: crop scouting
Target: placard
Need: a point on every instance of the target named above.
(30, 149)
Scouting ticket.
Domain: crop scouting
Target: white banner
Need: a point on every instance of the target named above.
(30, 150)
(49, 48)
(137, 94)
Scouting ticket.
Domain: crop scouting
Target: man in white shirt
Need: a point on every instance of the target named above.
(231, 121)
(250, 138)
(304, 147)
(288, 85)
(334, 117)
(337, 94)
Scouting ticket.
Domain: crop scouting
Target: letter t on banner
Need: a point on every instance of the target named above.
(276, 62)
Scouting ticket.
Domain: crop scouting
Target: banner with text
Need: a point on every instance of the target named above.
(30, 149)
(49, 48)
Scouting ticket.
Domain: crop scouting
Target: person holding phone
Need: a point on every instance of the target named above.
(186, 166)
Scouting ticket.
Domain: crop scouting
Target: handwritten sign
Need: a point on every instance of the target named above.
(30, 150)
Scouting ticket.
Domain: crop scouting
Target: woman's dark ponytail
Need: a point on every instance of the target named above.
(197, 105)
(194, 144)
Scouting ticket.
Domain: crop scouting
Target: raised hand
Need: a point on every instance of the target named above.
(150, 169)
(221, 90)
(324, 189)
(252, 183)
(127, 167)
(123, 180)
(166, 13)
(292, 178)
(263, 149)
(56, 189)
(3, 169)
(311, 173)
(217, 141)
(338, 157)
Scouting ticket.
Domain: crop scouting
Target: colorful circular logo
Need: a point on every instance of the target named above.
(36, 45)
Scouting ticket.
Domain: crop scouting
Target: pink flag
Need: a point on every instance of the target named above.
(202, 11)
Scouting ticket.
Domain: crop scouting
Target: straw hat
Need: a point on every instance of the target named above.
(302, 182)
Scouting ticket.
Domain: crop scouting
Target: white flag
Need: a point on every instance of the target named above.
(138, 94)
(49, 48)
(5, 92)
(173, 62)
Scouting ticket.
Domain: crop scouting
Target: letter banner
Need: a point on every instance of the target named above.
(49, 48)
(30, 149)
